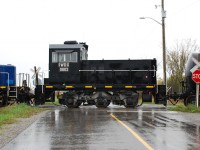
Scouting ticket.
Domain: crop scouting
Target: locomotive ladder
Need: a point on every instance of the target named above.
(13, 93)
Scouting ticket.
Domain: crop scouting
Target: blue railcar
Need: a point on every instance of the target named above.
(8, 88)
(5, 71)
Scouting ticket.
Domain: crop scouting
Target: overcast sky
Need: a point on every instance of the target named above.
(111, 28)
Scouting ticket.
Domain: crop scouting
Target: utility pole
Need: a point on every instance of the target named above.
(163, 15)
(163, 12)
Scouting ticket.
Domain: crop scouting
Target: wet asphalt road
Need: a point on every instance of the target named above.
(113, 128)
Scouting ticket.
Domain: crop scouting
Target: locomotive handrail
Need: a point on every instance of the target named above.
(115, 70)
(154, 71)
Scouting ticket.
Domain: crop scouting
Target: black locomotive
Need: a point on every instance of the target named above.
(75, 80)
(78, 80)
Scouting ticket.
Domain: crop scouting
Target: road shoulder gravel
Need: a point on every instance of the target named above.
(10, 131)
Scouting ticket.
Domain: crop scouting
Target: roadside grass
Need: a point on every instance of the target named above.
(9, 114)
(178, 107)
(183, 108)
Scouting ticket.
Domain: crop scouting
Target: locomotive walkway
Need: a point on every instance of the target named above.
(114, 128)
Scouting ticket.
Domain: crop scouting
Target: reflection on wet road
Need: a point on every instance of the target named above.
(90, 128)
(164, 130)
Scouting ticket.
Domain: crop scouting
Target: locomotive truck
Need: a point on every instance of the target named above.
(78, 80)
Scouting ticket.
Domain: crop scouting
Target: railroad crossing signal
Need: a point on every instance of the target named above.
(196, 66)
(196, 79)
(36, 73)
(196, 76)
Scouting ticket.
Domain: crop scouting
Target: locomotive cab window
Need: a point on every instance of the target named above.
(64, 57)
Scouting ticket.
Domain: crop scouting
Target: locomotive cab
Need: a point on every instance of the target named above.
(64, 62)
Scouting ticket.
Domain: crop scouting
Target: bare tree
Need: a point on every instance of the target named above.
(177, 57)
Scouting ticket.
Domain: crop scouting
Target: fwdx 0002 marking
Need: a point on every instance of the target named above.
(63, 67)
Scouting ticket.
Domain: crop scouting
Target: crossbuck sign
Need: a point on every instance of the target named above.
(196, 78)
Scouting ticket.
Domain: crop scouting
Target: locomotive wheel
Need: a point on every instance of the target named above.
(190, 100)
(69, 102)
(108, 103)
(39, 100)
(130, 102)
(77, 104)
(102, 102)
(4, 101)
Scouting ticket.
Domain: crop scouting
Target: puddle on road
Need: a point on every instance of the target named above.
(166, 129)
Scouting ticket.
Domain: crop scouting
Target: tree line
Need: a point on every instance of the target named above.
(177, 57)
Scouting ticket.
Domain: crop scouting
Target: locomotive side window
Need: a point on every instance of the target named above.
(74, 57)
(54, 57)
(64, 57)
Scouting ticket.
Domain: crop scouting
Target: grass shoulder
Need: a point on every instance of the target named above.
(182, 108)
(10, 114)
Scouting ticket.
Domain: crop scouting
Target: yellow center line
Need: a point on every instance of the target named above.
(133, 133)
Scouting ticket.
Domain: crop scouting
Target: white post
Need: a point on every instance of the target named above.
(19, 79)
(43, 75)
(197, 95)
